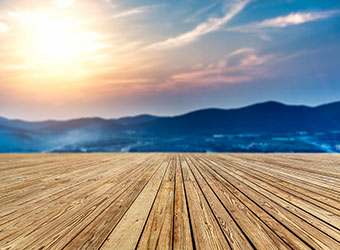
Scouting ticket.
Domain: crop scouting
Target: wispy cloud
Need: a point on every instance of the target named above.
(136, 11)
(111, 3)
(200, 12)
(3, 27)
(212, 24)
(295, 18)
(241, 51)
(240, 66)
(135, 85)
(63, 3)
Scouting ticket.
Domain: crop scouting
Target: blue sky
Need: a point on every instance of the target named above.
(69, 58)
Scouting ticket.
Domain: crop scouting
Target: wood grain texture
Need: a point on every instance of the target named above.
(169, 201)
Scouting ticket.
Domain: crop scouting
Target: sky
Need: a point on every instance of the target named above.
(62, 59)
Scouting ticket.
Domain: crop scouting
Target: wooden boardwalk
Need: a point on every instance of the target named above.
(170, 201)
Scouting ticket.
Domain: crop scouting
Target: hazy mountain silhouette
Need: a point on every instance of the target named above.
(135, 120)
(267, 118)
(271, 117)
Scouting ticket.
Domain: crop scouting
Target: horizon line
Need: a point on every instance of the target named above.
(166, 116)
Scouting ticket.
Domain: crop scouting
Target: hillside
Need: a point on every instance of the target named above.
(269, 119)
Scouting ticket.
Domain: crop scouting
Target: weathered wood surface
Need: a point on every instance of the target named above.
(170, 201)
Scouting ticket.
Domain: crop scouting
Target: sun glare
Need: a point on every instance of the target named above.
(53, 39)
(63, 3)
(58, 42)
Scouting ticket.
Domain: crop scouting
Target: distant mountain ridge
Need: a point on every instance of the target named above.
(262, 118)
(270, 109)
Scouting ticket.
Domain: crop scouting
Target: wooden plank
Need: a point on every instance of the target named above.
(206, 230)
(231, 230)
(311, 213)
(99, 225)
(158, 231)
(319, 164)
(298, 191)
(81, 172)
(313, 207)
(298, 177)
(253, 221)
(307, 232)
(182, 232)
(199, 201)
(51, 189)
(52, 223)
(127, 232)
(314, 192)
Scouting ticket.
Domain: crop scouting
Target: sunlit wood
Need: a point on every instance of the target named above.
(165, 201)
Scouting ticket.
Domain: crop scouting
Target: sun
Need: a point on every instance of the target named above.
(63, 3)
(54, 39)
(59, 48)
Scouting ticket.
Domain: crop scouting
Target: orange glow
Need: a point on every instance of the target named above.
(57, 43)
(55, 52)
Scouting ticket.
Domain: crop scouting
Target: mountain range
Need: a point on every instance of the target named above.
(306, 129)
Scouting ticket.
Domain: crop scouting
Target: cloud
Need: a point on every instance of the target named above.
(212, 24)
(284, 21)
(200, 12)
(243, 65)
(241, 51)
(296, 18)
(240, 66)
(3, 27)
(63, 3)
(135, 11)
(123, 86)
